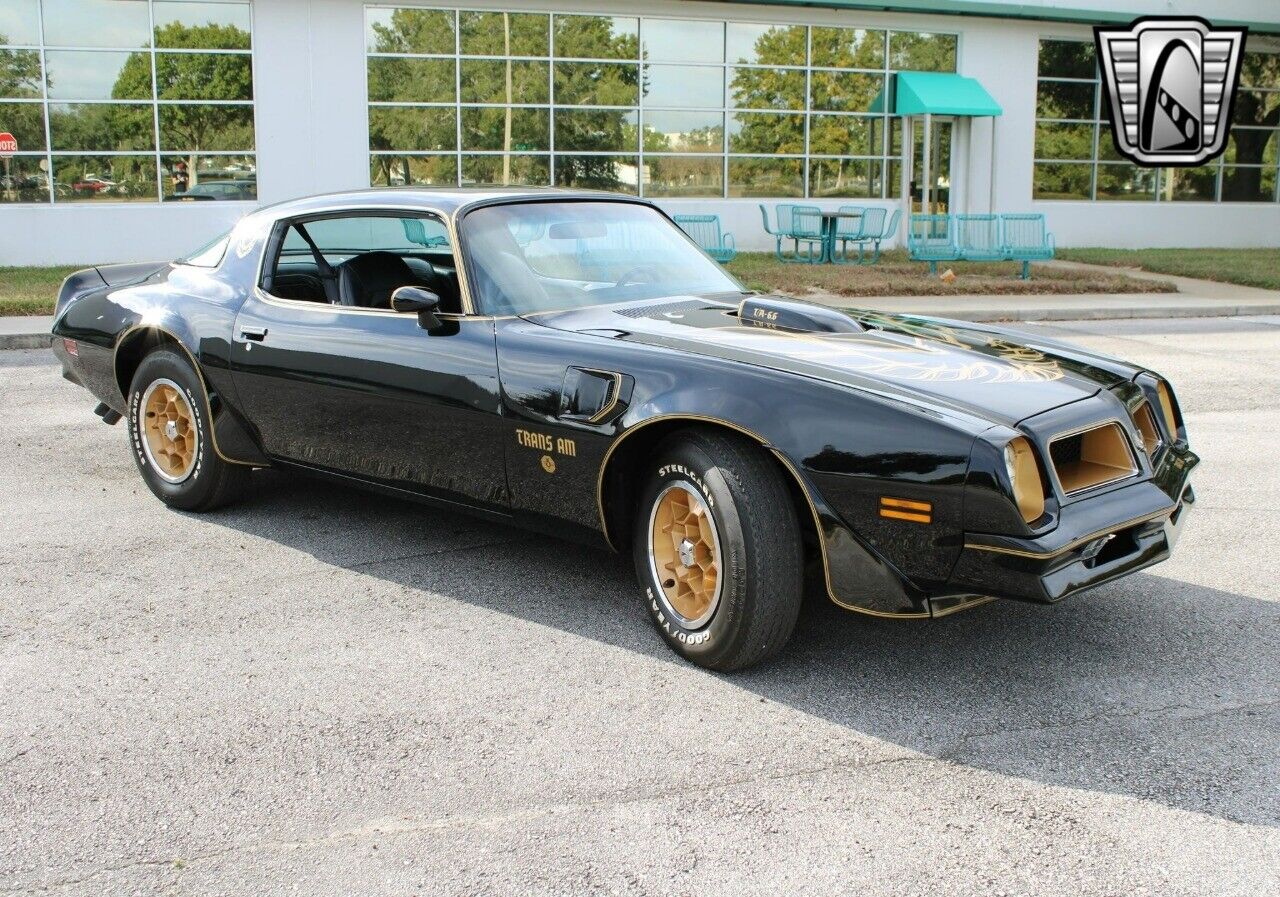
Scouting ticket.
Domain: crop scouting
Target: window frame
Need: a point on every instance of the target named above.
(279, 231)
(553, 154)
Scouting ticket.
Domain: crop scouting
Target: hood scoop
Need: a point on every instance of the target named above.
(773, 313)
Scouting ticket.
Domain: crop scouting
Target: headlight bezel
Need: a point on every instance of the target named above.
(1026, 478)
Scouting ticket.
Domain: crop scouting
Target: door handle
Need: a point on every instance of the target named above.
(257, 334)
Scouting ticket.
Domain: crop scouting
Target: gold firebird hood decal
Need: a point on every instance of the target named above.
(901, 356)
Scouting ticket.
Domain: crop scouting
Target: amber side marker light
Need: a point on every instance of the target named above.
(905, 509)
(1024, 476)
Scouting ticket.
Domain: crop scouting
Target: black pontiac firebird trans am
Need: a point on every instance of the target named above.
(571, 362)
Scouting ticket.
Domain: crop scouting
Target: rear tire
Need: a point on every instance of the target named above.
(718, 550)
(171, 436)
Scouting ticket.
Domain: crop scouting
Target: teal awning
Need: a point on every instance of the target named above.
(941, 93)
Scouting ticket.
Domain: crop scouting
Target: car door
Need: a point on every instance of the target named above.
(371, 393)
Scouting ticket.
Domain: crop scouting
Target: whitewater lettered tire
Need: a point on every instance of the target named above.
(169, 433)
(718, 549)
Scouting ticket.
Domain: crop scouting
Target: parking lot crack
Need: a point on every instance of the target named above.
(954, 752)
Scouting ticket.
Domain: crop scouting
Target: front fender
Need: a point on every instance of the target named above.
(844, 450)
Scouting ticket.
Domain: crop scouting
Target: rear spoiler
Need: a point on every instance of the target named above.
(95, 278)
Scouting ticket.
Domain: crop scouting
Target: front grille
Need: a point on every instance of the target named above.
(1092, 458)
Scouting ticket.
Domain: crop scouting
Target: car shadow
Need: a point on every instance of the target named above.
(1149, 687)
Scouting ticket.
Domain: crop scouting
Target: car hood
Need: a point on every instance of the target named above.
(998, 374)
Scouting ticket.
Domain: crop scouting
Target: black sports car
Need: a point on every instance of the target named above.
(571, 362)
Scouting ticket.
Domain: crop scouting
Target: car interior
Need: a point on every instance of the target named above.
(360, 260)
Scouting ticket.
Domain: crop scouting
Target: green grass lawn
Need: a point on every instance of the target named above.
(31, 291)
(1248, 267)
(896, 275)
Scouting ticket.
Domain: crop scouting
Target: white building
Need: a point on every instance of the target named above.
(120, 106)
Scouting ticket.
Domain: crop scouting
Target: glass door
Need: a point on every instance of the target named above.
(939, 174)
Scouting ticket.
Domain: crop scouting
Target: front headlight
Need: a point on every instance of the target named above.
(1024, 476)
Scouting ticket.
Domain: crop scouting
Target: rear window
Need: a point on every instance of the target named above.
(210, 254)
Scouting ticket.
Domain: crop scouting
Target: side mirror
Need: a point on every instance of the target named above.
(419, 301)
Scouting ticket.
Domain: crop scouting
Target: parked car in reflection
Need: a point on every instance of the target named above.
(215, 190)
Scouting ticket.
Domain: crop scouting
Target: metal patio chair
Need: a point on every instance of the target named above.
(849, 228)
(785, 228)
(706, 232)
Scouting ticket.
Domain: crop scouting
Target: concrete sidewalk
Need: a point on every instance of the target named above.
(1194, 299)
(26, 332)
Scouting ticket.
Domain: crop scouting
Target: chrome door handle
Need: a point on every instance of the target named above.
(257, 334)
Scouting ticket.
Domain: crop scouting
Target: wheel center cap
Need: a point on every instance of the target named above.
(171, 429)
(686, 553)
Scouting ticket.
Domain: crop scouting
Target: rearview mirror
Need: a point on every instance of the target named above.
(576, 230)
(420, 301)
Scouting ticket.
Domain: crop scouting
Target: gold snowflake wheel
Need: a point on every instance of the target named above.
(170, 438)
(684, 555)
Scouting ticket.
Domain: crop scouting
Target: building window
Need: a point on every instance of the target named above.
(127, 100)
(655, 106)
(1076, 158)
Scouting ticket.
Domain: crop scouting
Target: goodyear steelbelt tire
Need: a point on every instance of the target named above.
(718, 550)
(169, 435)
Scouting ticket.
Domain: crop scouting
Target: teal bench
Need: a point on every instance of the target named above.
(706, 232)
(932, 239)
(980, 238)
(1026, 240)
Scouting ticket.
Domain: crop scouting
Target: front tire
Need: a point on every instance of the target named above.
(171, 437)
(718, 550)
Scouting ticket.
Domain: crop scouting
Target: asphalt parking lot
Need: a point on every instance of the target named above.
(324, 692)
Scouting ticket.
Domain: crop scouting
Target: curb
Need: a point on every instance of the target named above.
(25, 340)
(991, 316)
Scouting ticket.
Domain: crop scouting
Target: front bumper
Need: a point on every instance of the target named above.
(1096, 540)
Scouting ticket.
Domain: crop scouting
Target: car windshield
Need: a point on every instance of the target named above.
(545, 256)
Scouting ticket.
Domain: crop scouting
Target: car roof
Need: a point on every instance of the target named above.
(447, 200)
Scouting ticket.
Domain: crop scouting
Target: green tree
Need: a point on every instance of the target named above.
(1253, 109)
(196, 128)
(19, 72)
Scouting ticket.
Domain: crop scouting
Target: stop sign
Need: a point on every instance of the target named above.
(8, 144)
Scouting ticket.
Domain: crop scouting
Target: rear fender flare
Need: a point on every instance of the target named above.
(161, 333)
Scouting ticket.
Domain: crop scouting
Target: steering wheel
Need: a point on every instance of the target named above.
(633, 275)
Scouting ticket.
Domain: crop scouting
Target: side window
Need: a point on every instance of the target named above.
(360, 259)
